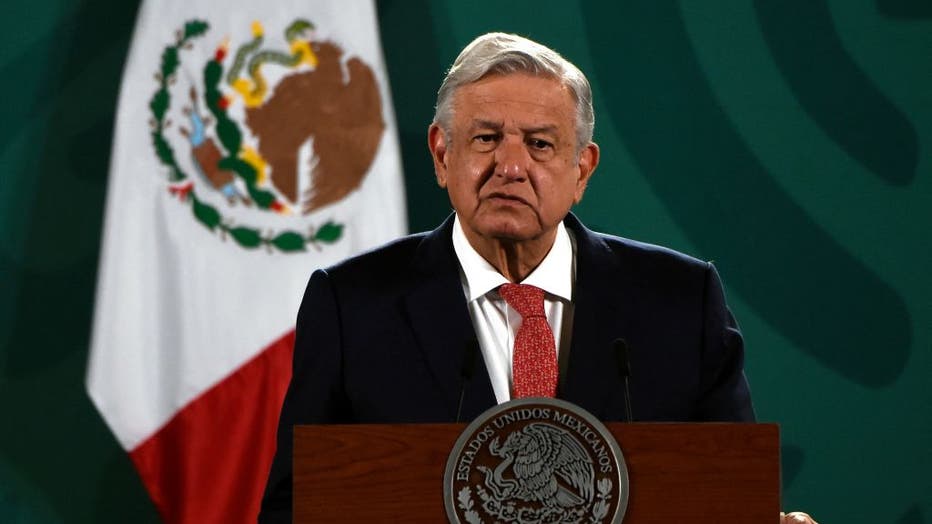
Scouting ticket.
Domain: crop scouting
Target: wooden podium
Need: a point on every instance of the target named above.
(692, 473)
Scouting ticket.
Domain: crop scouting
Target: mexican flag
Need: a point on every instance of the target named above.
(254, 143)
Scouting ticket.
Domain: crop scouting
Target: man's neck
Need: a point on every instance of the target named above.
(514, 259)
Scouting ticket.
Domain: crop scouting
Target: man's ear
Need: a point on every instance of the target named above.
(437, 143)
(588, 161)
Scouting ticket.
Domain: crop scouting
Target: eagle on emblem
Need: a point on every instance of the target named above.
(547, 464)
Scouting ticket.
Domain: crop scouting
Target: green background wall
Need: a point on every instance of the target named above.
(790, 141)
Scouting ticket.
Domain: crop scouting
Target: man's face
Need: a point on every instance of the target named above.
(510, 164)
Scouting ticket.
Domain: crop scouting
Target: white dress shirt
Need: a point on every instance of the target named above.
(495, 322)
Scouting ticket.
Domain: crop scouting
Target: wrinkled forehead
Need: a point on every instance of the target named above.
(529, 97)
(525, 76)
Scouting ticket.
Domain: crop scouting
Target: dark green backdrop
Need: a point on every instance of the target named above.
(787, 140)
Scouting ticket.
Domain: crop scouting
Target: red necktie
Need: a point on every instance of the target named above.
(534, 367)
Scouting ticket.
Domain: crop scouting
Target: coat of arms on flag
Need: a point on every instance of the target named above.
(286, 130)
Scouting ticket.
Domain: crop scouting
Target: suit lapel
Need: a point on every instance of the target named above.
(439, 319)
(599, 318)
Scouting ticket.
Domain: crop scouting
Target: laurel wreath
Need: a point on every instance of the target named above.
(464, 498)
(230, 138)
(600, 508)
(494, 506)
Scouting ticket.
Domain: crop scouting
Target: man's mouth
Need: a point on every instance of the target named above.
(500, 197)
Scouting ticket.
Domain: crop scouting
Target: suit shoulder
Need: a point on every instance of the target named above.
(635, 251)
(384, 260)
(378, 277)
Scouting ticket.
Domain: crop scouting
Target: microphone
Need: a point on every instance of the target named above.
(467, 372)
(624, 369)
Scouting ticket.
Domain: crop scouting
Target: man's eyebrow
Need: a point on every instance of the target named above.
(549, 129)
(490, 124)
(486, 124)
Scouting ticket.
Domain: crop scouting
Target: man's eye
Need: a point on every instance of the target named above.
(538, 143)
(485, 139)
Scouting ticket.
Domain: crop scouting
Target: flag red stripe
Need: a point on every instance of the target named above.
(209, 463)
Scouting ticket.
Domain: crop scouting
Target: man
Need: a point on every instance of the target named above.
(388, 336)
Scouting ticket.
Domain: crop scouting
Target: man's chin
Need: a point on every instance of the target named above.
(506, 227)
(511, 232)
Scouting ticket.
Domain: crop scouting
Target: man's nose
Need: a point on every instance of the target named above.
(511, 159)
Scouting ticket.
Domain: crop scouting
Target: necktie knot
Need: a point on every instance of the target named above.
(527, 300)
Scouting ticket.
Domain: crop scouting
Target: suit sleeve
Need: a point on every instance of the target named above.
(724, 392)
(315, 394)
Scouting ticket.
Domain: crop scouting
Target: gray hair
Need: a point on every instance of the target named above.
(502, 53)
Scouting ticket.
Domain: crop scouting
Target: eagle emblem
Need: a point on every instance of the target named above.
(263, 138)
(547, 465)
(536, 460)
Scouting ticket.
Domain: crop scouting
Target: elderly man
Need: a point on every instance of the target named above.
(513, 281)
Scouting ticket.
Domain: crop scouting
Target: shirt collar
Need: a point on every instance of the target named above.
(554, 274)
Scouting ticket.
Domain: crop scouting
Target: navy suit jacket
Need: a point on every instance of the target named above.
(381, 338)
